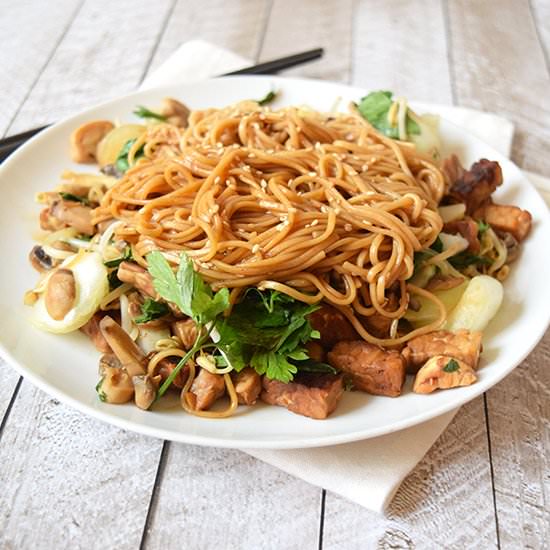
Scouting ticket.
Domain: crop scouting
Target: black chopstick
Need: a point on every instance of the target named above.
(9, 144)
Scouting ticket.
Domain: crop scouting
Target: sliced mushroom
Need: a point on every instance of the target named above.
(115, 385)
(137, 276)
(73, 214)
(443, 372)
(145, 391)
(60, 294)
(48, 222)
(85, 138)
(92, 331)
(108, 360)
(40, 260)
(130, 356)
(176, 113)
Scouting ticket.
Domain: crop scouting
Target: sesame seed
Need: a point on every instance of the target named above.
(251, 155)
(312, 174)
(217, 179)
(255, 248)
(348, 227)
(263, 183)
(314, 223)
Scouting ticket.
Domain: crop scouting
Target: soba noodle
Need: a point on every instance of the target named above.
(320, 207)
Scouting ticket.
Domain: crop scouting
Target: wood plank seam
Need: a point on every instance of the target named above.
(449, 43)
(154, 493)
(263, 31)
(43, 68)
(322, 518)
(491, 469)
(353, 37)
(545, 52)
(452, 77)
(10, 405)
(154, 49)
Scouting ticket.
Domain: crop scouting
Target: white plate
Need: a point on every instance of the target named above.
(66, 366)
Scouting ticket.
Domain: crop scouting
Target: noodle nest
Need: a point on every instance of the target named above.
(321, 207)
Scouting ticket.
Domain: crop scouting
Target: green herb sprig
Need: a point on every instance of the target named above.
(187, 290)
(74, 198)
(451, 366)
(375, 107)
(268, 98)
(144, 112)
(150, 310)
(121, 163)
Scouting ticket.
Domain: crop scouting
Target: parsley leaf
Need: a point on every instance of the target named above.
(451, 366)
(74, 198)
(186, 289)
(464, 259)
(126, 255)
(114, 281)
(310, 365)
(100, 393)
(482, 226)
(144, 112)
(267, 330)
(348, 384)
(151, 309)
(375, 106)
(437, 245)
(268, 98)
(121, 162)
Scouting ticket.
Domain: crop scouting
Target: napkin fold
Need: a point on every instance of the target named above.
(368, 472)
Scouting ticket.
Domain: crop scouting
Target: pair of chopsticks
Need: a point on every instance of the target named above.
(9, 144)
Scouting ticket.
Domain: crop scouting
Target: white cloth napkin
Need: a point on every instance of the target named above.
(367, 472)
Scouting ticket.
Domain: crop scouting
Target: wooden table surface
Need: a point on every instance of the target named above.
(69, 481)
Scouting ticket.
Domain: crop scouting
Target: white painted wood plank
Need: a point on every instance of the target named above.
(499, 66)
(446, 502)
(308, 24)
(220, 498)
(519, 417)
(8, 382)
(30, 33)
(541, 15)
(401, 46)
(102, 55)
(237, 26)
(390, 52)
(69, 480)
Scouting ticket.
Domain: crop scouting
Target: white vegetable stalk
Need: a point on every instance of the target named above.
(452, 212)
(106, 237)
(126, 321)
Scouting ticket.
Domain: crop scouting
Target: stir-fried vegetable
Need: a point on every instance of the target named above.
(395, 119)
